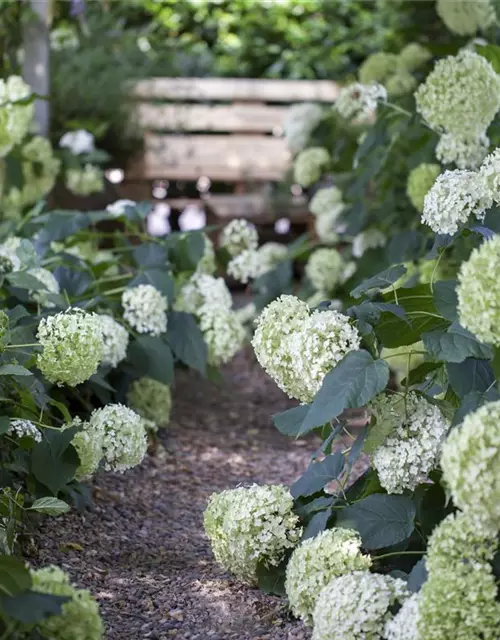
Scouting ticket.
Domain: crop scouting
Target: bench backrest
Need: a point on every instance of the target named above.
(233, 136)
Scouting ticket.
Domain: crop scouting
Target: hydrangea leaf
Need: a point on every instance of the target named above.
(289, 422)
(153, 358)
(317, 524)
(382, 280)
(455, 344)
(150, 254)
(14, 576)
(186, 340)
(470, 375)
(318, 475)
(30, 607)
(54, 460)
(473, 401)
(50, 505)
(158, 278)
(445, 299)
(418, 576)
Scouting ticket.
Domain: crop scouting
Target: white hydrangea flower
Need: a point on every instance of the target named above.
(461, 95)
(466, 154)
(404, 624)
(315, 562)
(245, 266)
(270, 255)
(24, 428)
(325, 200)
(357, 606)
(324, 269)
(413, 56)
(72, 346)
(478, 292)
(246, 313)
(124, 436)
(325, 225)
(88, 442)
(470, 465)
(207, 263)
(152, 400)
(369, 239)
(9, 260)
(249, 525)
(119, 207)
(239, 235)
(115, 339)
(300, 122)
(453, 198)
(84, 182)
(359, 101)
(420, 180)
(490, 174)
(201, 290)
(222, 331)
(413, 446)
(49, 281)
(464, 17)
(145, 309)
(15, 118)
(310, 164)
(64, 37)
(78, 142)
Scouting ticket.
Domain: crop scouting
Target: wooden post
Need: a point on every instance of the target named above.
(36, 70)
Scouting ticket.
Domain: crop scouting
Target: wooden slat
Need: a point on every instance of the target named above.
(228, 89)
(223, 158)
(189, 117)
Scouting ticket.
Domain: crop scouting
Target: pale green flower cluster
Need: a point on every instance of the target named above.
(298, 348)
(310, 164)
(490, 174)
(223, 333)
(203, 289)
(50, 283)
(79, 142)
(357, 606)
(24, 428)
(404, 624)
(478, 292)
(152, 400)
(464, 17)
(300, 122)
(324, 269)
(245, 266)
(327, 205)
(145, 309)
(251, 525)
(72, 346)
(460, 96)
(420, 181)
(239, 235)
(115, 340)
(270, 255)
(400, 84)
(470, 465)
(358, 101)
(378, 67)
(207, 263)
(64, 37)
(465, 154)
(15, 117)
(414, 55)
(119, 207)
(368, 239)
(86, 181)
(79, 618)
(458, 600)
(317, 561)
(88, 444)
(453, 198)
(415, 432)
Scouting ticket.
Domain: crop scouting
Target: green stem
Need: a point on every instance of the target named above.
(112, 291)
(18, 346)
(399, 553)
(405, 353)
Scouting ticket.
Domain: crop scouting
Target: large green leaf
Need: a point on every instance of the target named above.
(351, 384)
(382, 280)
(289, 422)
(318, 475)
(150, 254)
(470, 375)
(54, 460)
(455, 344)
(445, 299)
(14, 576)
(74, 282)
(152, 357)
(186, 340)
(14, 370)
(161, 279)
(492, 53)
(50, 506)
(473, 401)
(381, 520)
(31, 607)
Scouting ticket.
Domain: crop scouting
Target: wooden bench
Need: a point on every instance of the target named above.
(228, 130)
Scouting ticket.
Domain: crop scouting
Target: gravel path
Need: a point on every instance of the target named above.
(142, 550)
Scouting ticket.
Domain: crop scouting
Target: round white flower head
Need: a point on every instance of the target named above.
(317, 561)
(84, 182)
(270, 256)
(24, 428)
(72, 346)
(324, 269)
(325, 200)
(404, 624)
(151, 399)
(466, 154)
(238, 236)
(357, 606)
(145, 309)
(222, 331)
(247, 313)
(124, 436)
(119, 208)
(456, 88)
(203, 290)
(416, 430)
(64, 37)
(478, 292)
(9, 260)
(88, 442)
(310, 165)
(207, 262)
(452, 199)
(400, 84)
(325, 225)
(300, 122)
(50, 283)
(251, 525)
(413, 56)
(470, 465)
(420, 180)
(77, 142)
(369, 239)
(466, 18)
(378, 67)
(115, 339)
(79, 618)
(458, 600)
(324, 339)
(359, 101)
(245, 266)
(15, 117)
(490, 174)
